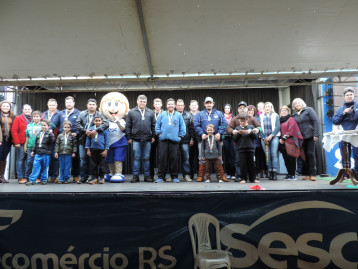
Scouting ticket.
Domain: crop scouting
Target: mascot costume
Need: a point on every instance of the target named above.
(115, 106)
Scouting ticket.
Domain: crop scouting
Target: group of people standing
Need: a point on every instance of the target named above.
(246, 144)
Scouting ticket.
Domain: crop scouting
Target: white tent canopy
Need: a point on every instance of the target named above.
(233, 38)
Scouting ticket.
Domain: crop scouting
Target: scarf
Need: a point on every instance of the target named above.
(284, 119)
(295, 140)
(27, 118)
(228, 117)
(5, 120)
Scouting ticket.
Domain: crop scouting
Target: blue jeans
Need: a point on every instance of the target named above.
(141, 151)
(53, 170)
(29, 164)
(84, 159)
(184, 151)
(65, 161)
(272, 161)
(237, 161)
(41, 163)
(20, 161)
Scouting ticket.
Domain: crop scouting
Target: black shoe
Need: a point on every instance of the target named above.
(148, 179)
(238, 179)
(274, 176)
(271, 176)
(135, 179)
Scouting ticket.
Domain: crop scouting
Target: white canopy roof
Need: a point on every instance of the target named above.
(50, 38)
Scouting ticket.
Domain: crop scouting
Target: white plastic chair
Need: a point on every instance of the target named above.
(205, 256)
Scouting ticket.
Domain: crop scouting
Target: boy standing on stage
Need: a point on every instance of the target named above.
(211, 153)
(42, 151)
(32, 130)
(97, 148)
(65, 150)
(245, 139)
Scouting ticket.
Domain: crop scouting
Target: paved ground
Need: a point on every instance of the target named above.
(280, 184)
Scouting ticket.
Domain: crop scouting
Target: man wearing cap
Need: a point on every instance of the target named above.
(209, 116)
(347, 116)
(241, 107)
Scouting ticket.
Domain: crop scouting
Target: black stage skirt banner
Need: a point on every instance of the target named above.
(150, 230)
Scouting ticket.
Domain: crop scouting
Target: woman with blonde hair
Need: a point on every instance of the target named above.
(270, 124)
(290, 142)
(307, 120)
(7, 117)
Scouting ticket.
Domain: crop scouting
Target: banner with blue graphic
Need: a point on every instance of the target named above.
(150, 230)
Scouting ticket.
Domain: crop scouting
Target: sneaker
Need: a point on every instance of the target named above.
(287, 177)
(52, 180)
(293, 178)
(207, 181)
(43, 182)
(187, 178)
(220, 181)
(148, 179)
(29, 183)
(228, 176)
(168, 180)
(100, 180)
(237, 179)
(76, 179)
(38, 180)
(176, 180)
(233, 178)
(159, 180)
(22, 181)
(92, 181)
(60, 182)
(66, 182)
(135, 179)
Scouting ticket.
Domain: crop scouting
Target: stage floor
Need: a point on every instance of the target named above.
(214, 186)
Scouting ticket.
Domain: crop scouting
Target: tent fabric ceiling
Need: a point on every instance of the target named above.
(78, 38)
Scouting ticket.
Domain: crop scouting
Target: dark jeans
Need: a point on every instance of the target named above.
(4, 149)
(54, 165)
(290, 162)
(168, 152)
(229, 156)
(247, 165)
(260, 159)
(193, 158)
(309, 166)
(153, 157)
(97, 163)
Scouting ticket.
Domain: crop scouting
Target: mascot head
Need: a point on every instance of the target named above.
(114, 105)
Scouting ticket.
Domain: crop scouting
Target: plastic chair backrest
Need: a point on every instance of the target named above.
(199, 232)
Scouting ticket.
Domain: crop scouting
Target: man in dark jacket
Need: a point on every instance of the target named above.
(209, 116)
(235, 122)
(53, 115)
(83, 123)
(347, 116)
(188, 139)
(140, 132)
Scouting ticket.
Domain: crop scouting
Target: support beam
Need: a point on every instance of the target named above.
(144, 35)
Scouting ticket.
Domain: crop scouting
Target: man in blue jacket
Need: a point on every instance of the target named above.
(171, 129)
(347, 116)
(209, 116)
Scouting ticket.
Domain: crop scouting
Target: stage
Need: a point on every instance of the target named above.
(291, 224)
(281, 184)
